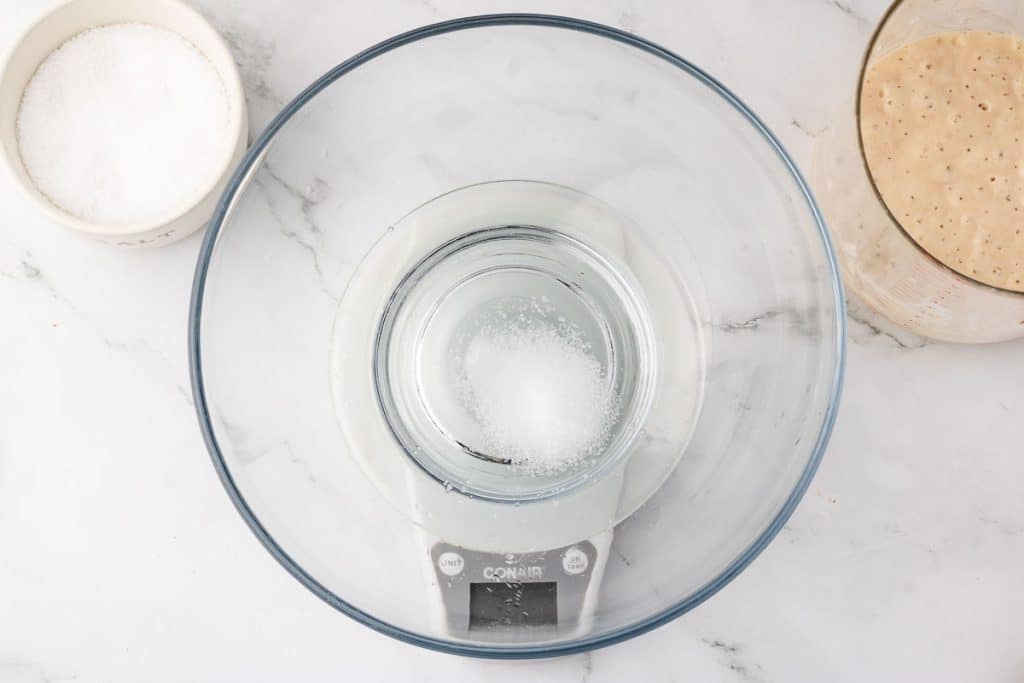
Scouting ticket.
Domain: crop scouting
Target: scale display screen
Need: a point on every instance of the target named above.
(511, 605)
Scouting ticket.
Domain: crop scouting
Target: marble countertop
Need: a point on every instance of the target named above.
(121, 558)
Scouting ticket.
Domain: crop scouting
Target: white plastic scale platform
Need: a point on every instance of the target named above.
(508, 555)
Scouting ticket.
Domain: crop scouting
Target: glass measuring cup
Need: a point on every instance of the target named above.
(879, 260)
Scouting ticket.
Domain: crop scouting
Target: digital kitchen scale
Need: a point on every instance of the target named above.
(515, 594)
(509, 554)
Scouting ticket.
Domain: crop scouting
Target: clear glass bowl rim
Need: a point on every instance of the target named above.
(251, 161)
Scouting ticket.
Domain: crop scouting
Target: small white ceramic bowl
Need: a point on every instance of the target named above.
(67, 21)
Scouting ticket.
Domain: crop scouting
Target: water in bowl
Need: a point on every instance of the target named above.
(515, 359)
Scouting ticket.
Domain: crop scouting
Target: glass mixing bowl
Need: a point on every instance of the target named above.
(881, 262)
(635, 235)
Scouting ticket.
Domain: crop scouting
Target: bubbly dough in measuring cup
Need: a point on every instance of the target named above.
(942, 124)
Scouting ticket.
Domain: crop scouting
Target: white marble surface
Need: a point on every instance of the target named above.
(121, 559)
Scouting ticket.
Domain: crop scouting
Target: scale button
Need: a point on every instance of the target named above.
(575, 561)
(451, 564)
